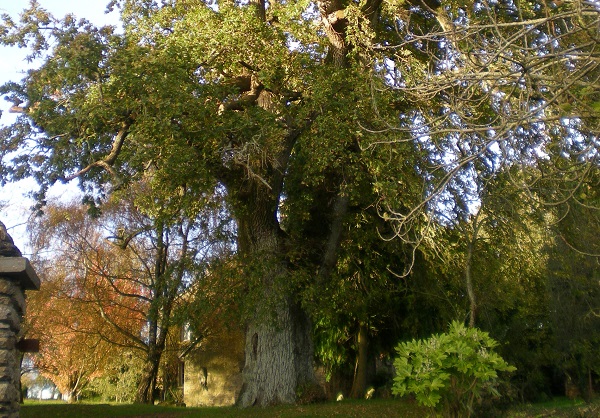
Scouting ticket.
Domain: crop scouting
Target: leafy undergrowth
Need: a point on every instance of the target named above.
(561, 408)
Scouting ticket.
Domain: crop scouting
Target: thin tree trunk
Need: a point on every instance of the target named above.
(590, 390)
(147, 385)
(359, 384)
(469, 286)
(468, 272)
(340, 208)
(159, 312)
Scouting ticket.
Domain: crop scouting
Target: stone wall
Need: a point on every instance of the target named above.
(213, 370)
(16, 276)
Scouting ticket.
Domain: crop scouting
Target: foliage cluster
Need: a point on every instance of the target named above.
(450, 372)
(119, 380)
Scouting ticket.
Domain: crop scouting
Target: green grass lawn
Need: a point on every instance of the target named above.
(377, 408)
(557, 408)
(350, 408)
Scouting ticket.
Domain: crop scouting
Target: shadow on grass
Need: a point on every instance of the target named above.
(64, 410)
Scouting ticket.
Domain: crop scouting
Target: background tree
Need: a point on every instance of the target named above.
(119, 379)
(480, 85)
(360, 306)
(126, 272)
(573, 289)
(71, 353)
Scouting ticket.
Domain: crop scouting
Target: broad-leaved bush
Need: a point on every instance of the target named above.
(449, 372)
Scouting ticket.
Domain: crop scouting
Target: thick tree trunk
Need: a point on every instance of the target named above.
(156, 346)
(278, 358)
(279, 351)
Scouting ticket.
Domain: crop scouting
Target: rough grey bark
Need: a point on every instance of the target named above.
(278, 354)
(278, 349)
(270, 368)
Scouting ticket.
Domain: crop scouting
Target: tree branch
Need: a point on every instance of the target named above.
(110, 159)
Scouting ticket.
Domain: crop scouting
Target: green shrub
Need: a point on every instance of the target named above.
(448, 372)
(119, 380)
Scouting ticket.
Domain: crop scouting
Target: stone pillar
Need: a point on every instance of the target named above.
(16, 276)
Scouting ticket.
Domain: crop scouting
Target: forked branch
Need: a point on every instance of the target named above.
(108, 162)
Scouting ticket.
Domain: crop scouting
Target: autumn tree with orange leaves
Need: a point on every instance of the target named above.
(71, 352)
(111, 282)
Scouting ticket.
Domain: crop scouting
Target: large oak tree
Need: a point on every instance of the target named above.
(284, 108)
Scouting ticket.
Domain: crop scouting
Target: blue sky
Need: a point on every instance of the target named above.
(12, 67)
